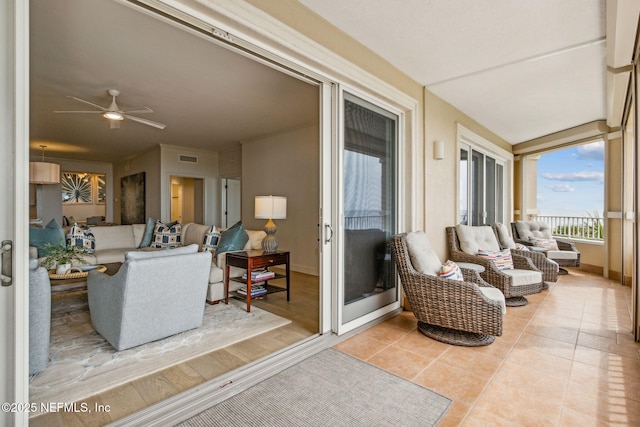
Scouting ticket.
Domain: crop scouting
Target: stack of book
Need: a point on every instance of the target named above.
(260, 275)
(256, 291)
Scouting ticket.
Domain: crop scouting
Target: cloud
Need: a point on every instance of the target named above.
(594, 151)
(561, 188)
(575, 176)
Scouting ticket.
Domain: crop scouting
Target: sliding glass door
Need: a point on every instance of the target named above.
(369, 192)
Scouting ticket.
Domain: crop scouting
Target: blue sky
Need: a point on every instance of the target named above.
(572, 179)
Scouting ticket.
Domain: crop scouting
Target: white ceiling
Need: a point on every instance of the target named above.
(521, 68)
(208, 96)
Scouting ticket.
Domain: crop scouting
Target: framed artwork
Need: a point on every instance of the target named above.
(77, 188)
(132, 199)
(101, 189)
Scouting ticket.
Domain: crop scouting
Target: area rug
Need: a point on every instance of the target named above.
(82, 363)
(328, 389)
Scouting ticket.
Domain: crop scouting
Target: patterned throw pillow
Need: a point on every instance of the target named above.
(502, 258)
(166, 235)
(210, 241)
(450, 270)
(79, 236)
(548, 244)
(521, 247)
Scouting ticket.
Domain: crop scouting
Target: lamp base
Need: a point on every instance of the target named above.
(270, 243)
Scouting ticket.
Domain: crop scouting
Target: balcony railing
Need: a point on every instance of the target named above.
(576, 227)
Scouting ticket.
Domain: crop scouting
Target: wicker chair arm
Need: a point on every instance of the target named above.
(472, 276)
(565, 245)
(523, 263)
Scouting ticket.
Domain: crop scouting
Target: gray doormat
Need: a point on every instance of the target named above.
(329, 389)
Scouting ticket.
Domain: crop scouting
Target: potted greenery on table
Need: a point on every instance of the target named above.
(61, 257)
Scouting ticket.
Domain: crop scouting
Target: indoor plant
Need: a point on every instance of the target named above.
(61, 257)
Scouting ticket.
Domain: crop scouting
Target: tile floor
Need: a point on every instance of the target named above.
(566, 359)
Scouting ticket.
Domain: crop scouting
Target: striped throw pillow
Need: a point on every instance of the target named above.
(450, 270)
(548, 244)
(502, 258)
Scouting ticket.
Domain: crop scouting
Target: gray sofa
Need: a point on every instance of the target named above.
(154, 295)
(112, 242)
(39, 317)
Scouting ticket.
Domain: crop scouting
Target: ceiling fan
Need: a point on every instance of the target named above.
(114, 114)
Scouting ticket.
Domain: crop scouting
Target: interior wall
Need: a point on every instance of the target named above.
(49, 196)
(231, 164)
(286, 165)
(206, 168)
(441, 176)
(149, 163)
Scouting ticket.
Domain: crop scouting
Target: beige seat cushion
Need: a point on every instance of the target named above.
(422, 256)
(538, 229)
(496, 295)
(524, 277)
(474, 238)
(562, 255)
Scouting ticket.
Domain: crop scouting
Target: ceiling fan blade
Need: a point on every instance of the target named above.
(87, 102)
(83, 112)
(139, 110)
(146, 122)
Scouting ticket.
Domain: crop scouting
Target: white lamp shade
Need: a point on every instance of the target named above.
(44, 173)
(271, 207)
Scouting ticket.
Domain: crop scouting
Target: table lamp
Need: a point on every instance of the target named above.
(270, 207)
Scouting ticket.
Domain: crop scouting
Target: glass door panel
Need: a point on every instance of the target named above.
(490, 200)
(477, 188)
(369, 207)
(464, 187)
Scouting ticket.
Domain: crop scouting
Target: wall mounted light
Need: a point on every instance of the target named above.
(438, 150)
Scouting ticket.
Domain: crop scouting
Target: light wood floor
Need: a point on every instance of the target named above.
(302, 310)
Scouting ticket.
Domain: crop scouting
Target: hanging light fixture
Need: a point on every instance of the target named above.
(43, 172)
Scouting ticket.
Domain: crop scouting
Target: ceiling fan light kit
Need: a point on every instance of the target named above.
(114, 113)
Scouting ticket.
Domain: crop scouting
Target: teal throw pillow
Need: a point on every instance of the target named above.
(147, 237)
(52, 233)
(232, 239)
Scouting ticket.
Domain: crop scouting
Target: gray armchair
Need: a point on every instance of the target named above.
(154, 295)
(524, 279)
(567, 255)
(39, 317)
(461, 312)
(547, 266)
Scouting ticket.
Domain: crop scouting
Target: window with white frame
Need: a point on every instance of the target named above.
(482, 186)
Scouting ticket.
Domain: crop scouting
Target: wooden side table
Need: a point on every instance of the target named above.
(251, 260)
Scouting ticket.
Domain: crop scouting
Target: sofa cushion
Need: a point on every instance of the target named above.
(114, 237)
(79, 236)
(255, 240)
(523, 277)
(502, 259)
(474, 238)
(216, 274)
(193, 233)
(528, 229)
(166, 235)
(504, 236)
(232, 239)
(52, 233)
(450, 270)
(562, 255)
(421, 254)
(133, 255)
(210, 240)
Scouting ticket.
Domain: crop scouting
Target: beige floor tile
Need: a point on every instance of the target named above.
(455, 383)
(417, 343)
(362, 347)
(546, 345)
(385, 332)
(400, 362)
(454, 415)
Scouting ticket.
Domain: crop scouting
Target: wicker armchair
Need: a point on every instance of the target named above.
(548, 267)
(451, 311)
(514, 289)
(567, 255)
